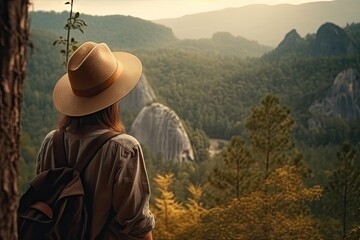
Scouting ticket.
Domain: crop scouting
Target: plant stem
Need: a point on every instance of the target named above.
(68, 33)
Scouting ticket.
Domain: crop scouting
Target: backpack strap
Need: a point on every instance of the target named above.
(92, 149)
(89, 151)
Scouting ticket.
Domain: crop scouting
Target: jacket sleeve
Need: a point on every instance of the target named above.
(45, 153)
(131, 193)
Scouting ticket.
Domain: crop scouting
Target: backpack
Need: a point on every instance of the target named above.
(53, 207)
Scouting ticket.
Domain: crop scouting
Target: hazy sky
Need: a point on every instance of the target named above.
(151, 9)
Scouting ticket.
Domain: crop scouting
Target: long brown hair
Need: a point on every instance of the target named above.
(106, 118)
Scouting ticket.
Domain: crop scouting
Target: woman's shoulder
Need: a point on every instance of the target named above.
(49, 137)
(126, 140)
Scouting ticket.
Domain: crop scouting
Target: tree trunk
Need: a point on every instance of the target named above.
(14, 34)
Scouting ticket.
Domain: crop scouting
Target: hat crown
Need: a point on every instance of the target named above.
(91, 66)
(96, 78)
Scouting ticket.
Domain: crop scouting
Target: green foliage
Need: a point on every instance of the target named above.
(279, 212)
(211, 91)
(199, 142)
(197, 90)
(234, 176)
(28, 154)
(214, 93)
(321, 160)
(38, 115)
(119, 32)
(269, 127)
(342, 190)
(73, 23)
(223, 43)
(353, 30)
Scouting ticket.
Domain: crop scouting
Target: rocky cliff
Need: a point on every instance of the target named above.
(292, 40)
(331, 40)
(342, 100)
(161, 130)
(140, 96)
(293, 43)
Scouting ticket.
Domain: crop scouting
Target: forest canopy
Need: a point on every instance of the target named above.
(220, 91)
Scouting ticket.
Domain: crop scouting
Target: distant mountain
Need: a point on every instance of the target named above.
(330, 40)
(119, 32)
(223, 43)
(291, 40)
(126, 32)
(264, 23)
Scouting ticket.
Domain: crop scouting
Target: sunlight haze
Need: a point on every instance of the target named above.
(151, 9)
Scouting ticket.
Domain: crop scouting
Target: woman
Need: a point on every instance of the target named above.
(115, 180)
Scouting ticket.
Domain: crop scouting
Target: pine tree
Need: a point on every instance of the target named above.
(233, 177)
(14, 40)
(269, 127)
(343, 189)
(279, 212)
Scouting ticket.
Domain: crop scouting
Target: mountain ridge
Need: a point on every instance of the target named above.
(266, 24)
(126, 32)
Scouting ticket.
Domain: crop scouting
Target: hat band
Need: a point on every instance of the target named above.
(98, 88)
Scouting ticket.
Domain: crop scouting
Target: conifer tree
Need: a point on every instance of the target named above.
(192, 223)
(168, 211)
(343, 189)
(14, 40)
(233, 177)
(269, 127)
(279, 212)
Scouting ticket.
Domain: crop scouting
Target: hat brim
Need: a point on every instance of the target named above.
(67, 103)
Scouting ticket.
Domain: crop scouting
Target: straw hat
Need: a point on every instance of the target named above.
(96, 78)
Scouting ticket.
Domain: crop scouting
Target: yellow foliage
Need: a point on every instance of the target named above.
(276, 212)
(168, 211)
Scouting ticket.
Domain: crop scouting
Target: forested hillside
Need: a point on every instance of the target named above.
(118, 31)
(126, 32)
(291, 178)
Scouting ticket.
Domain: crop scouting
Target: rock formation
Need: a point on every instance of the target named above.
(142, 95)
(156, 126)
(342, 100)
(161, 130)
(331, 40)
(291, 41)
